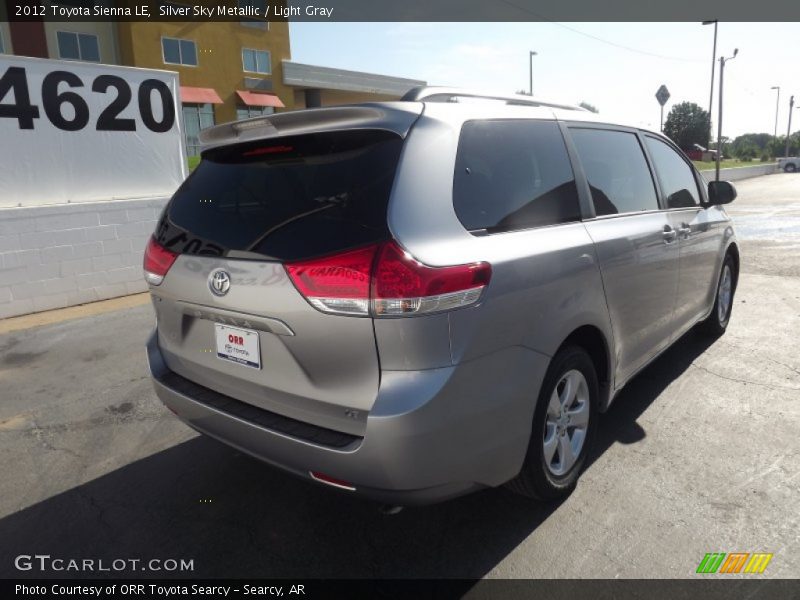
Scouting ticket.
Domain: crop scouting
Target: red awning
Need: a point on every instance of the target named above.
(255, 99)
(200, 95)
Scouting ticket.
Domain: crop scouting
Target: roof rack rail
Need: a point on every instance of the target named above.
(451, 94)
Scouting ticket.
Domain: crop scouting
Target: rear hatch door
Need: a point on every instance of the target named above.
(229, 316)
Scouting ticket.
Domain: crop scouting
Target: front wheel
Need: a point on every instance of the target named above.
(790, 168)
(564, 423)
(717, 322)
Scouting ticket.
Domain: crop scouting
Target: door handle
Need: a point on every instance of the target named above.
(685, 230)
(669, 234)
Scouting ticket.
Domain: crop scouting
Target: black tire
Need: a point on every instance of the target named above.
(790, 168)
(715, 325)
(536, 479)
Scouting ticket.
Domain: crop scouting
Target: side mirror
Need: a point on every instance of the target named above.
(721, 192)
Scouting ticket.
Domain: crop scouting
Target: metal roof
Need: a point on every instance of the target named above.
(315, 76)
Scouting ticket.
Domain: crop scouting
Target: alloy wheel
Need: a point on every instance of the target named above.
(724, 294)
(566, 423)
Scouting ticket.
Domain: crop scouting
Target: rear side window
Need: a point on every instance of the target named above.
(513, 175)
(615, 166)
(287, 198)
(676, 177)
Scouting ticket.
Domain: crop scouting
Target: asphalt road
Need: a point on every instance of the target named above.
(700, 453)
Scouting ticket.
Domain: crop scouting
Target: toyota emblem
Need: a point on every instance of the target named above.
(219, 282)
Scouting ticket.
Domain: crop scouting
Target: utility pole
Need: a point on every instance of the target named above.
(532, 54)
(711, 93)
(789, 128)
(722, 61)
(777, 106)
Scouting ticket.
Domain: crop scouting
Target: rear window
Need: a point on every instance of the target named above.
(286, 198)
(513, 174)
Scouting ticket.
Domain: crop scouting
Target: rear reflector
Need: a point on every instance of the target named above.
(386, 280)
(157, 261)
(344, 485)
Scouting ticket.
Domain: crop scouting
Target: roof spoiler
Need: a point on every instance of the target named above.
(395, 117)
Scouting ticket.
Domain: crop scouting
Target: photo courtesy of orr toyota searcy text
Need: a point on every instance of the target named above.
(159, 591)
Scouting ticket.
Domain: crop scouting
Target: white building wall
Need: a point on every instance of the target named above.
(63, 255)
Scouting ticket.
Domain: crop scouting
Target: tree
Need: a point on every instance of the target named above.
(777, 147)
(746, 151)
(588, 107)
(759, 139)
(725, 145)
(687, 124)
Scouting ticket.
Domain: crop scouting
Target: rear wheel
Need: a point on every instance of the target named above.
(564, 423)
(717, 322)
(790, 168)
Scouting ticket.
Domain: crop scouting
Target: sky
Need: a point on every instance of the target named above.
(617, 67)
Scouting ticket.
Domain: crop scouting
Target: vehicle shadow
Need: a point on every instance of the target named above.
(233, 516)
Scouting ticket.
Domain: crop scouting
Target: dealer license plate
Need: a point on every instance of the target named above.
(238, 345)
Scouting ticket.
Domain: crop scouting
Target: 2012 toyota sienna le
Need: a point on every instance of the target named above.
(412, 300)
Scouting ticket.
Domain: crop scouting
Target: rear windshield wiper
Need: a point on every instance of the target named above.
(338, 201)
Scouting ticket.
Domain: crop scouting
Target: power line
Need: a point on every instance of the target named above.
(599, 39)
(623, 47)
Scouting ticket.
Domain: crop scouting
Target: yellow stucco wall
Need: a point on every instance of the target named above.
(219, 56)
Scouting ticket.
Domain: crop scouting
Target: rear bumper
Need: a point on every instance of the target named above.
(431, 435)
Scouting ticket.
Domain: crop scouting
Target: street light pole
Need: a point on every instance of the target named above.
(789, 128)
(532, 54)
(722, 61)
(777, 106)
(711, 92)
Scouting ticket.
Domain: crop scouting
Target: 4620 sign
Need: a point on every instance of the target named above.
(84, 132)
(66, 108)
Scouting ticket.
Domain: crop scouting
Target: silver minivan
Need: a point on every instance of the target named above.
(412, 300)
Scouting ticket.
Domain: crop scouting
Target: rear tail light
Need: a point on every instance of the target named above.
(157, 261)
(402, 285)
(386, 280)
(322, 477)
(336, 284)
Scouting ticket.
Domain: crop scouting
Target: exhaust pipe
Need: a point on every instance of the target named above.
(390, 509)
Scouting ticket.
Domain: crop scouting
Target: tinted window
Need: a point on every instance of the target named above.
(676, 177)
(172, 52)
(68, 45)
(255, 61)
(513, 175)
(89, 47)
(287, 198)
(188, 52)
(617, 171)
(179, 52)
